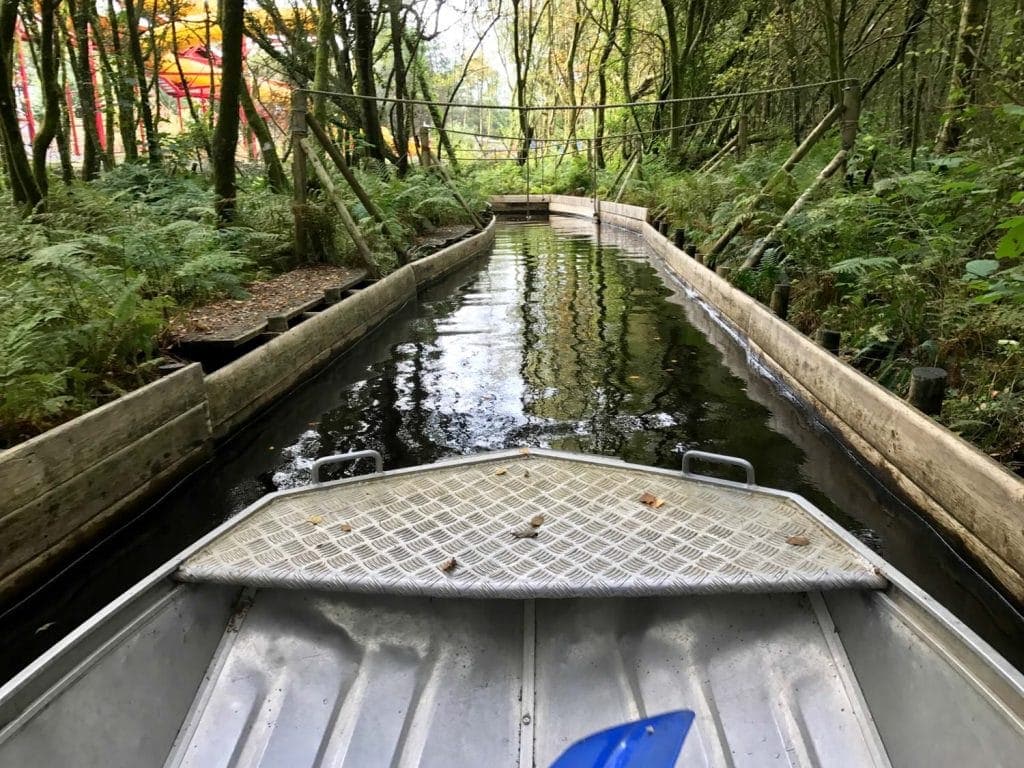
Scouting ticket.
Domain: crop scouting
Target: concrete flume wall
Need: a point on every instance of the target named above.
(65, 488)
(973, 498)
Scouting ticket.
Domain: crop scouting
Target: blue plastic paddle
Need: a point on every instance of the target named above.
(651, 743)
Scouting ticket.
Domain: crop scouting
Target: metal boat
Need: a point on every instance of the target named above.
(492, 610)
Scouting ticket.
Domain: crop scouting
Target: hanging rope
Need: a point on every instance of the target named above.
(582, 107)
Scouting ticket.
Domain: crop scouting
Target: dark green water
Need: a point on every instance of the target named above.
(566, 337)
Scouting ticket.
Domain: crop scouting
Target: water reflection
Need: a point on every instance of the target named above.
(563, 340)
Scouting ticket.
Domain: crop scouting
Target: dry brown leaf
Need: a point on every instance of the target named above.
(525, 533)
(501, 471)
(798, 541)
(651, 500)
(345, 528)
(315, 519)
(448, 565)
(526, 473)
(524, 451)
(537, 521)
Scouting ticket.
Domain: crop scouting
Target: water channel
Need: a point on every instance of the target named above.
(566, 337)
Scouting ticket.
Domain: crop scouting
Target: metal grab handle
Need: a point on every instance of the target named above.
(378, 462)
(717, 458)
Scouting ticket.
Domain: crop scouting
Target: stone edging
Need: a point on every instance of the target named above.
(65, 488)
(974, 499)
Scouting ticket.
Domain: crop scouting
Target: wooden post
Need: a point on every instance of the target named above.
(829, 339)
(780, 300)
(425, 157)
(741, 137)
(365, 254)
(371, 207)
(723, 272)
(927, 389)
(679, 238)
(277, 323)
(298, 129)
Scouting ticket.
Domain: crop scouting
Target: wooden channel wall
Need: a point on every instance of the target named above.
(65, 488)
(972, 498)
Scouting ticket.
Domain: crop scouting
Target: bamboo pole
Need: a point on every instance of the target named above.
(365, 255)
(637, 159)
(715, 158)
(826, 173)
(371, 207)
(795, 157)
(447, 179)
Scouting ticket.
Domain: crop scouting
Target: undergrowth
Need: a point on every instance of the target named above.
(88, 285)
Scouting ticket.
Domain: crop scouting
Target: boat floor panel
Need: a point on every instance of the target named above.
(359, 681)
(464, 529)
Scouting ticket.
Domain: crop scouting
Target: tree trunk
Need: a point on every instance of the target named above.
(961, 87)
(91, 149)
(268, 149)
(675, 74)
(24, 188)
(124, 88)
(322, 60)
(225, 134)
(401, 130)
(109, 105)
(135, 46)
(49, 65)
(602, 82)
(362, 24)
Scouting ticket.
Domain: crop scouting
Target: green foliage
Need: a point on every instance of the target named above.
(87, 287)
(924, 264)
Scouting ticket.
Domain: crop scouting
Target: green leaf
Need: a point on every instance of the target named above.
(1011, 245)
(1013, 109)
(1011, 223)
(981, 267)
(1017, 198)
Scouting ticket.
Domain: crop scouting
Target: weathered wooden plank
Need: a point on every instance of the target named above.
(44, 462)
(65, 507)
(238, 390)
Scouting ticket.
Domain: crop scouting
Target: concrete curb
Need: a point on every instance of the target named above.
(66, 488)
(972, 498)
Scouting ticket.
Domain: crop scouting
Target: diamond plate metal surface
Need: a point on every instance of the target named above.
(395, 534)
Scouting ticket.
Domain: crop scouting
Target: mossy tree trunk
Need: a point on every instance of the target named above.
(225, 134)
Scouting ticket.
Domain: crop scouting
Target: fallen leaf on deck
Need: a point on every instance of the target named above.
(651, 500)
(448, 565)
(798, 541)
(501, 471)
(526, 473)
(525, 533)
(524, 451)
(537, 521)
(44, 627)
(345, 528)
(315, 519)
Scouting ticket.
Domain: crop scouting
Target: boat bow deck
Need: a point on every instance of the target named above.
(396, 533)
